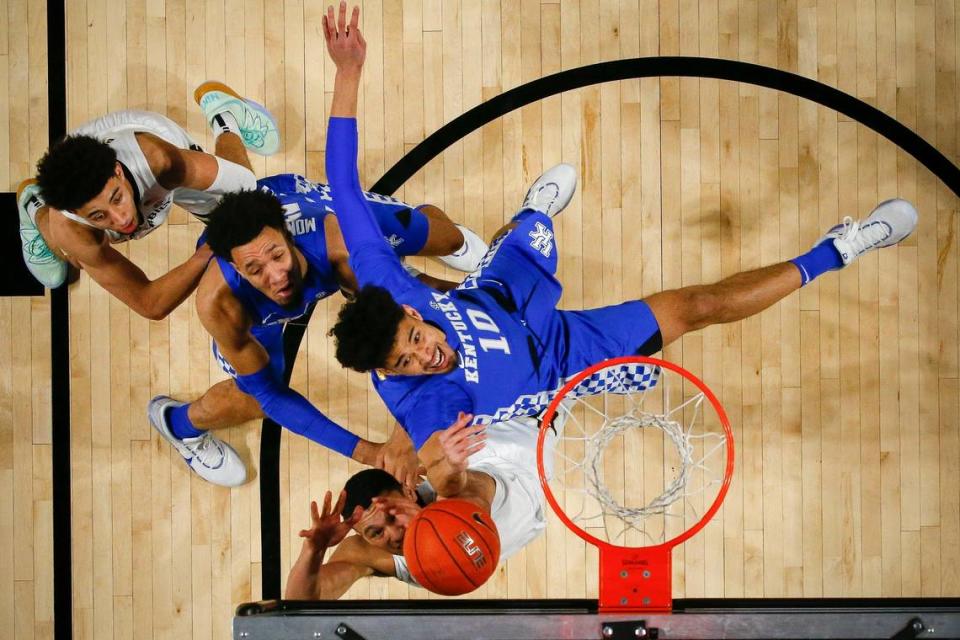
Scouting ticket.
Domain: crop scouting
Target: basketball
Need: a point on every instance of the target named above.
(452, 547)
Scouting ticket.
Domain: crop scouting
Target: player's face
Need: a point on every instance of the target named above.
(114, 207)
(386, 530)
(271, 264)
(419, 348)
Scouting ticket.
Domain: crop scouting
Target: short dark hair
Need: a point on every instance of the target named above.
(364, 486)
(366, 328)
(240, 217)
(74, 170)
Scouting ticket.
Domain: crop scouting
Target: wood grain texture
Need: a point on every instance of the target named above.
(844, 398)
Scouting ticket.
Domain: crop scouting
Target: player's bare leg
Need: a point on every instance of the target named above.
(229, 146)
(746, 294)
(444, 237)
(740, 296)
(223, 405)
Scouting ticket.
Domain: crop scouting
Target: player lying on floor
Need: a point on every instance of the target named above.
(278, 250)
(116, 178)
(497, 346)
(501, 478)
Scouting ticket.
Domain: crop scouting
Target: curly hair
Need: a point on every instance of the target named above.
(364, 486)
(74, 171)
(240, 217)
(366, 328)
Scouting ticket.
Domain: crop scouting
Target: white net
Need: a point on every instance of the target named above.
(640, 458)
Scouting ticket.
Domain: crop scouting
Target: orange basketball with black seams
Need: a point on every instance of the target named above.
(451, 547)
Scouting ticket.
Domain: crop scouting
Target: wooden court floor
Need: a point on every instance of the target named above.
(845, 399)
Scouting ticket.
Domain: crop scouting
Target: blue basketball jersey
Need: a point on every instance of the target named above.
(514, 348)
(305, 205)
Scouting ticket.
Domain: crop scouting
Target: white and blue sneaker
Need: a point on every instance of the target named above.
(213, 459)
(46, 267)
(258, 127)
(889, 223)
(551, 192)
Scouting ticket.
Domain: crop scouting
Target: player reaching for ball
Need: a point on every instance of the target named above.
(493, 468)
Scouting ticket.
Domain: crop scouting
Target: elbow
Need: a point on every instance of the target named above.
(152, 312)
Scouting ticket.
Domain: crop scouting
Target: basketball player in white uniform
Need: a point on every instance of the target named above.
(501, 477)
(115, 179)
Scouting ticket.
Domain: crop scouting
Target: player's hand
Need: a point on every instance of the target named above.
(345, 43)
(398, 458)
(400, 509)
(327, 528)
(461, 440)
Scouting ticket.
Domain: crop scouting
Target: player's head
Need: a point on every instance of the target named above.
(248, 229)
(81, 175)
(373, 331)
(377, 527)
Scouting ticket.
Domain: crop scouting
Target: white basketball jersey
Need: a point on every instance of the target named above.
(119, 129)
(519, 508)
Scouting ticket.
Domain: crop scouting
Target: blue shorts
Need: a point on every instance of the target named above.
(271, 337)
(403, 226)
(519, 271)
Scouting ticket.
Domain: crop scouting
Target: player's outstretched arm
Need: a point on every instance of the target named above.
(310, 578)
(228, 323)
(371, 257)
(152, 299)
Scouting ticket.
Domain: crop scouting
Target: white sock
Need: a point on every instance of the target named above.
(224, 122)
(467, 258)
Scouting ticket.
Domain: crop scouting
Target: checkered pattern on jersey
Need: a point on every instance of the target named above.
(620, 379)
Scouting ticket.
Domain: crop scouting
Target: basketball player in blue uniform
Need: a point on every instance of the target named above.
(496, 346)
(278, 250)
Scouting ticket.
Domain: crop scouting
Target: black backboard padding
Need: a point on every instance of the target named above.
(15, 280)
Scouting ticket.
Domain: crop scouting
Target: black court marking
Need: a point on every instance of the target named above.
(688, 67)
(436, 143)
(60, 349)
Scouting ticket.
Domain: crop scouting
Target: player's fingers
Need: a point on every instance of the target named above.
(355, 19)
(314, 512)
(342, 18)
(476, 446)
(331, 24)
(341, 499)
(326, 28)
(327, 499)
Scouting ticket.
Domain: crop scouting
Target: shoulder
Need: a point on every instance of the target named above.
(216, 302)
(162, 157)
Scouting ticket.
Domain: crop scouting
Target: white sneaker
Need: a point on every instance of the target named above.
(552, 191)
(213, 459)
(889, 223)
(45, 266)
(258, 127)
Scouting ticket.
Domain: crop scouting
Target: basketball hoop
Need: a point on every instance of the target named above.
(658, 430)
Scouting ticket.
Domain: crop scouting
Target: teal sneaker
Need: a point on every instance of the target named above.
(258, 127)
(46, 267)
